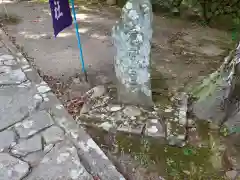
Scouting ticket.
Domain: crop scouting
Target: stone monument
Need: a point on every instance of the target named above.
(131, 37)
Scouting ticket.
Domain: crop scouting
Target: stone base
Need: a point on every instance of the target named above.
(125, 96)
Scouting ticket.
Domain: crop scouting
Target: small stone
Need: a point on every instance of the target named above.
(231, 174)
(85, 108)
(43, 89)
(137, 129)
(106, 126)
(154, 128)
(133, 118)
(191, 123)
(114, 108)
(132, 111)
(97, 91)
(168, 110)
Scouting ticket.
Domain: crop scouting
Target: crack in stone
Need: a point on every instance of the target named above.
(22, 119)
(38, 132)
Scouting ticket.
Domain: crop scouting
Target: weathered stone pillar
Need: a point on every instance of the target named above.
(132, 35)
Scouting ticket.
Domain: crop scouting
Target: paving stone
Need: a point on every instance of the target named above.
(12, 168)
(53, 135)
(7, 137)
(61, 163)
(27, 146)
(34, 158)
(9, 76)
(16, 103)
(87, 147)
(33, 124)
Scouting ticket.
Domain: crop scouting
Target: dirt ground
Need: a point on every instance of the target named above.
(181, 51)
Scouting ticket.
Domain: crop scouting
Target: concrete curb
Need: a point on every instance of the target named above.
(90, 155)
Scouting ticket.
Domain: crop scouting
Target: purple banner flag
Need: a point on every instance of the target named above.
(61, 15)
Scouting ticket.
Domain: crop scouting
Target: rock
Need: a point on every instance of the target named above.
(130, 128)
(60, 163)
(27, 146)
(53, 134)
(232, 175)
(7, 137)
(174, 141)
(35, 123)
(106, 126)
(114, 108)
(132, 111)
(111, 2)
(43, 88)
(154, 128)
(85, 108)
(97, 91)
(12, 168)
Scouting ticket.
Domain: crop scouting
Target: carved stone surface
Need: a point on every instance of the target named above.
(132, 36)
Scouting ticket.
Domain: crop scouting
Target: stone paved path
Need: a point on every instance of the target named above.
(39, 140)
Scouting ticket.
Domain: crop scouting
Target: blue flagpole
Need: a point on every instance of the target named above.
(79, 40)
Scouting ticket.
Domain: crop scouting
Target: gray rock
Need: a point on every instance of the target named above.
(43, 88)
(114, 107)
(16, 103)
(97, 91)
(12, 168)
(129, 128)
(36, 122)
(7, 137)
(85, 108)
(53, 135)
(132, 111)
(28, 146)
(60, 164)
(232, 175)
(9, 76)
(154, 128)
